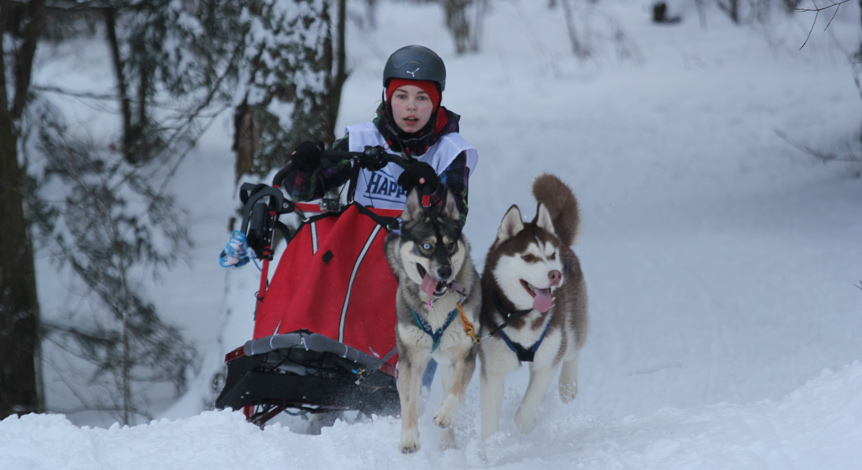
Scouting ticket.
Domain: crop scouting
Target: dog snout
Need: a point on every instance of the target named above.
(444, 272)
(555, 277)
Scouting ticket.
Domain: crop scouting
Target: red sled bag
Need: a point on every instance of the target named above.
(324, 327)
(333, 279)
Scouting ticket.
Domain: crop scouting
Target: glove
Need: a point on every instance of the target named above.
(307, 155)
(237, 252)
(419, 175)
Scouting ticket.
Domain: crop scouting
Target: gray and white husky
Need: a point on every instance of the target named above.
(437, 306)
(534, 305)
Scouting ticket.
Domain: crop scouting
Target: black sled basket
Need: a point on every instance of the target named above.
(306, 372)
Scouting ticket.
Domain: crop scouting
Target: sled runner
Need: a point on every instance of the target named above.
(324, 326)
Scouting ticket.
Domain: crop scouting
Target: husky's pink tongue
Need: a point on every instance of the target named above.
(543, 300)
(428, 286)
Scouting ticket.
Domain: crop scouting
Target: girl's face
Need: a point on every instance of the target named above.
(411, 108)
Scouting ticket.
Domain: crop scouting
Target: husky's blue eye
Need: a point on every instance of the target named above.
(426, 246)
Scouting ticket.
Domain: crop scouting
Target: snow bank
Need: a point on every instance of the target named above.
(817, 426)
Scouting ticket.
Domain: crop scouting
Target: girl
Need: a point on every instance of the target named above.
(410, 122)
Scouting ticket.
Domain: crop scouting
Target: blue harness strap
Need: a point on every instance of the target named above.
(435, 335)
(524, 354)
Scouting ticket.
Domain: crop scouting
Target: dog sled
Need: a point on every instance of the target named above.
(324, 324)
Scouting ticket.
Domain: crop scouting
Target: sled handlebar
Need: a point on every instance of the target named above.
(370, 157)
(262, 204)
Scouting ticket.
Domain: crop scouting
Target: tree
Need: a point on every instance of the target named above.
(751, 11)
(817, 10)
(110, 230)
(580, 50)
(108, 221)
(20, 28)
(289, 81)
(731, 7)
(851, 155)
(464, 18)
(590, 26)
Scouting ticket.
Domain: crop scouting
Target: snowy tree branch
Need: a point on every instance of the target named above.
(817, 10)
(820, 155)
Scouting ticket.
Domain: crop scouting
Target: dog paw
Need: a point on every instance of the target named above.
(445, 416)
(448, 441)
(449, 446)
(409, 448)
(443, 419)
(409, 443)
(525, 420)
(568, 392)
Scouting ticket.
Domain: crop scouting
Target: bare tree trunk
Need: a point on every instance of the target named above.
(247, 132)
(859, 50)
(701, 12)
(19, 304)
(371, 14)
(134, 146)
(340, 61)
(792, 5)
(580, 50)
(122, 87)
(456, 21)
(478, 21)
(134, 150)
(128, 362)
(731, 8)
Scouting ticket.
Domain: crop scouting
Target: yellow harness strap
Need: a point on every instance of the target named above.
(468, 327)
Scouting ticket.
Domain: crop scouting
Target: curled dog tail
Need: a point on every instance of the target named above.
(561, 203)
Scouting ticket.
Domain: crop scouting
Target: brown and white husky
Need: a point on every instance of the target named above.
(534, 305)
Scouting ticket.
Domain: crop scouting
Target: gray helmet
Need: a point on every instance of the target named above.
(415, 63)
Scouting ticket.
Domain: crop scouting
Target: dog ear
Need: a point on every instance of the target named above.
(511, 224)
(543, 219)
(412, 208)
(450, 210)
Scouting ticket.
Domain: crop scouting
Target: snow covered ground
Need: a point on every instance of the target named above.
(815, 427)
(721, 261)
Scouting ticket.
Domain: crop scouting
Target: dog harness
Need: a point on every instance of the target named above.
(436, 336)
(524, 354)
(469, 329)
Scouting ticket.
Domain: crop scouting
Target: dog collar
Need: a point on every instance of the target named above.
(459, 288)
(507, 315)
